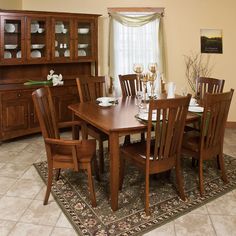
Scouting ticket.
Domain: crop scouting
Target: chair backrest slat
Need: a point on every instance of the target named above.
(208, 85)
(129, 84)
(216, 109)
(46, 114)
(90, 87)
(169, 127)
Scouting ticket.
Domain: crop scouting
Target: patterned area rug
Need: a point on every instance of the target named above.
(71, 193)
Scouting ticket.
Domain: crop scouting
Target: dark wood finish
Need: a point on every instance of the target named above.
(62, 154)
(90, 88)
(115, 121)
(208, 85)
(16, 70)
(160, 152)
(208, 143)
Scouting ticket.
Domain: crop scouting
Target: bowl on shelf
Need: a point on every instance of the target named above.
(10, 28)
(37, 46)
(10, 46)
(41, 30)
(83, 30)
(82, 45)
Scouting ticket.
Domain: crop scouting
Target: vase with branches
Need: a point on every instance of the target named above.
(197, 65)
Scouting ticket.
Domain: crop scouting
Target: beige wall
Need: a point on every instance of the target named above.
(11, 4)
(183, 21)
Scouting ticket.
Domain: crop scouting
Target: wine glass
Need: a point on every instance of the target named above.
(138, 101)
(152, 67)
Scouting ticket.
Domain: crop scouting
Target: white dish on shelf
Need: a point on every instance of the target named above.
(41, 30)
(37, 46)
(34, 27)
(7, 54)
(18, 54)
(83, 30)
(56, 53)
(82, 45)
(35, 54)
(67, 53)
(10, 46)
(81, 53)
(10, 28)
(59, 27)
(195, 109)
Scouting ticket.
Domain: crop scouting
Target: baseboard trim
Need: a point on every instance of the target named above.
(231, 124)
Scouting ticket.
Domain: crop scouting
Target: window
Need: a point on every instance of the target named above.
(132, 44)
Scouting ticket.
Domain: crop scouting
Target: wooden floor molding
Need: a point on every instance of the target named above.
(231, 124)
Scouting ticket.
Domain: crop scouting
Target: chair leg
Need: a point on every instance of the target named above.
(179, 180)
(75, 132)
(49, 185)
(127, 140)
(101, 159)
(96, 169)
(147, 210)
(201, 186)
(220, 159)
(122, 167)
(91, 186)
(58, 174)
(142, 137)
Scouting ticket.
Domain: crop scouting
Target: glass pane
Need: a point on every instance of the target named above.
(62, 39)
(84, 39)
(12, 39)
(38, 38)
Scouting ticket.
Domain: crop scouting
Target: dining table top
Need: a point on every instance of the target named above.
(120, 116)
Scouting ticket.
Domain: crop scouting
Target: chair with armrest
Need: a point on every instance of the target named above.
(62, 154)
(208, 143)
(129, 86)
(160, 153)
(90, 88)
(208, 85)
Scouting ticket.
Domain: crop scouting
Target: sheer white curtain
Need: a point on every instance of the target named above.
(131, 45)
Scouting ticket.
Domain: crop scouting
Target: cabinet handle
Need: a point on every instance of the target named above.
(18, 95)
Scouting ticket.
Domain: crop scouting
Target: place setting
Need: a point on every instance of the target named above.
(194, 106)
(106, 101)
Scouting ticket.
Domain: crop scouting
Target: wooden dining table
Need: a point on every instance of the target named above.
(116, 121)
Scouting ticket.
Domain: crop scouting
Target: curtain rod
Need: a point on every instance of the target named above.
(137, 9)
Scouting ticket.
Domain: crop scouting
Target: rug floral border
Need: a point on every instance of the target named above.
(166, 213)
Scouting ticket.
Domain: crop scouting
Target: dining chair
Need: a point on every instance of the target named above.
(129, 86)
(90, 88)
(208, 85)
(208, 143)
(62, 154)
(161, 151)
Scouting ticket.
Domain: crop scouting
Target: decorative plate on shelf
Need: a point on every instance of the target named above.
(67, 53)
(18, 54)
(56, 53)
(81, 53)
(10, 28)
(59, 27)
(34, 27)
(7, 54)
(35, 54)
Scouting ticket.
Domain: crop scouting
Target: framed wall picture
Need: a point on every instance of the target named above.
(211, 41)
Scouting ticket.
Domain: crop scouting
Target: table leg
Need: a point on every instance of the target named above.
(114, 169)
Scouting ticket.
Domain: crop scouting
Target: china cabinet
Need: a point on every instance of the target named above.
(32, 44)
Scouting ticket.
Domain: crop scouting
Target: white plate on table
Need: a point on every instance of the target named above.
(144, 116)
(110, 99)
(195, 109)
(105, 104)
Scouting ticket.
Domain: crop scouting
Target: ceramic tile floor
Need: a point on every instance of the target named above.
(22, 192)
